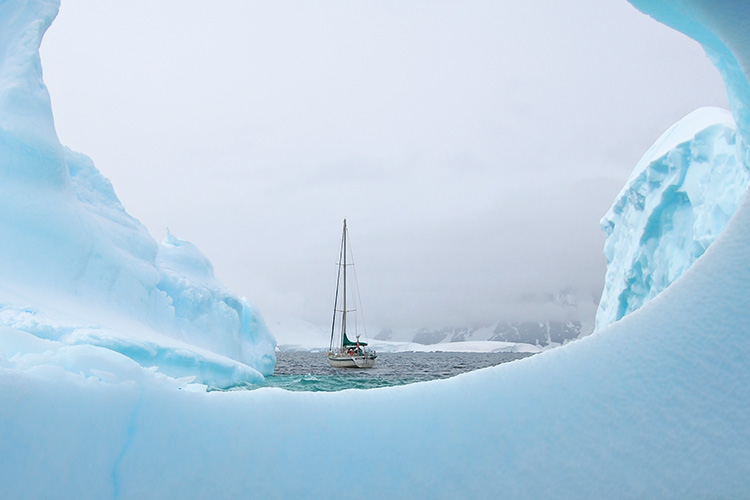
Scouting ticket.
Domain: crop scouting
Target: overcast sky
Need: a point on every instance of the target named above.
(472, 145)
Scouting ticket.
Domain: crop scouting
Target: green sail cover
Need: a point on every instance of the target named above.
(348, 342)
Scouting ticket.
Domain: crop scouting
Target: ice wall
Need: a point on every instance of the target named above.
(66, 238)
(678, 200)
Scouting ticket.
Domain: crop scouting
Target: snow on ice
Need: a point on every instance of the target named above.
(652, 406)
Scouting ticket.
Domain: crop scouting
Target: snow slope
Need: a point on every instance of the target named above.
(652, 406)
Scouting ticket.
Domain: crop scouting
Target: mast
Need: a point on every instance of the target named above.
(343, 314)
(336, 296)
(339, 281)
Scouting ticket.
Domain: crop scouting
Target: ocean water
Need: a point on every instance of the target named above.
(310, 371)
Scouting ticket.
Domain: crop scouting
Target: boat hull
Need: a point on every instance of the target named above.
(344, 361)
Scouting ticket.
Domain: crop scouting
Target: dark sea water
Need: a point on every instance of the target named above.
(310, 371)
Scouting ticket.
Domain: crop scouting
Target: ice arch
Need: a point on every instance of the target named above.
(654, 406)
(721, 28)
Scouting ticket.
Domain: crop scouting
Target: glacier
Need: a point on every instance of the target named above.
(653, 405)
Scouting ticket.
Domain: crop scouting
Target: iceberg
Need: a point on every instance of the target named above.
(678, 200)
(78, 269)
(653, 405)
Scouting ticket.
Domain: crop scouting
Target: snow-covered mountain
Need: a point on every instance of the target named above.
(542, 334)
(574, 312)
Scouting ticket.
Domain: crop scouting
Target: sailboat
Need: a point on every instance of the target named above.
(342, 351)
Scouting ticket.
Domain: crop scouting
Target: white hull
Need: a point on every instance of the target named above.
(344, 361)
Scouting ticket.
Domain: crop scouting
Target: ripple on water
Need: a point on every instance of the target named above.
(310, 371)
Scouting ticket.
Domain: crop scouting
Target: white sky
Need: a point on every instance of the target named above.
(473, 145)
